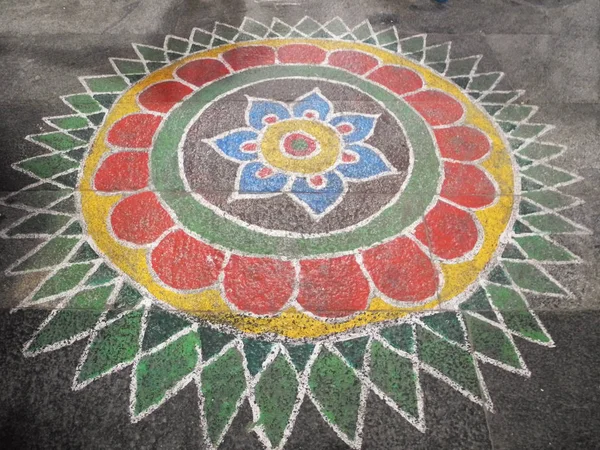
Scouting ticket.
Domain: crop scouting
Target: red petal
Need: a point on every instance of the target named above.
(448, 231)
(124, 171)
(301, 54)
(397, 79)
(258, 285)
(401, 270)
(184, 262)
(467, 185)
(244, 57)
(202, 71)
(161, 97)
(462, 143)
(334, 287)
(353, 61)
(134, 131)
(436, 107)
(140, 219)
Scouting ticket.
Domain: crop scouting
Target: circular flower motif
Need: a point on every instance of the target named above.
(315, 154)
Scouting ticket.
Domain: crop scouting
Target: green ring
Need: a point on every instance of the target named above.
(220, 231)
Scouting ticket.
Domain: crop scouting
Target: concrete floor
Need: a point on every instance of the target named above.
(550, 49)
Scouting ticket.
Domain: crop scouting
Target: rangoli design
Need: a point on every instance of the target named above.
(283, 214)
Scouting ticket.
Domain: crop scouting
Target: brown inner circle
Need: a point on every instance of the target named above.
(212, 176)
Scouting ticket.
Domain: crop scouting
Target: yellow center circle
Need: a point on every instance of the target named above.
(271, 146)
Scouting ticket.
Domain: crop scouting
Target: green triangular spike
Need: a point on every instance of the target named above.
(128, 67)
(541, 249)
(527, 208)
(515, 113)
(479, 303)
(498, 275)
(492, 109)
(548, 175)
(418, 56)
(295, 34)
(483, 82)
(300, 354)
(451, 361)
(50, 255)
(437, 53)
(537, 150)
(400, 337)
(244, 37)
(101, 85)
(201, 37)
(515, 144)
(177, 45)
(353, 350)
(40, 196)
(225, 31)
(461, 81)
(116, 344)
(438, 67)
(520, 228)
(77, 154)
(69, 122)
(395, 376)
(515, 313)
(551, 223)
(160, 326)
(106, 100)
(307, 26)
(253, 27)
(512, 252)
(321, 34)
(78, 316)
(529, 277)
(522, 162)
(84, 253)
(337, 27)
(212, 341)
(446, 324)
(150, 53)
(362, 32)
(218, 42)
(501, 97)
(530, 185)
(127, 299)
(85, 134)
(96, 119)
(68, 180)
(47, 166)
(40, 224)
(102, 275)
(337, 389)
(197, 48)
(58, 141)
(73, 230)
(393, 47)
(458, 67)
(507, 126)
(491, 342)
(173, 56)
(256, 353)
(62, 281)
(280, 28)
(153, 65)
(528, 130)
(412, 45)
(348, 37)
(387, 37)
(83, 103)
(550, 199)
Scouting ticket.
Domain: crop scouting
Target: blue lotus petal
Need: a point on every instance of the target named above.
(314, 101)
(363, 126)
(231, 144)
(260, 108)
(369, 164)
(249, 183)
(318, 200)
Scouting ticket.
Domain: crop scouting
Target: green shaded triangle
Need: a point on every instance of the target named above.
(395, 376)
(537, 150)
(491, 342)
(531, 278)
(507, 126)
(106, 100)
(337, 389)
(541, 249)
(492, 109)
(161, 371)
(102, 275)
(484, 82)
(40, 224)
(527, 208)
(498, 275)
(85, 134)
(212, 341)
(51, 254)
(400, 337)
(446, 324)
(96, 119)
(152, 66)
(47, 166)
(461, 67)
(522, 162)
(58, 141)
(78, 316)
(353, 350)
(411, 45)
(83, 103)
(114, 345)
(222, 384)
(551, 223)
(173, 56)
(300, 354)
(84, 253)
(530, 185)
(127, 299)
(160, 326)
(478, 303)
(103, 84)
(450, 360)
(516, 314)
(418, 56)
(515, 112)
(438, 67)
(387, 37)
(77, 154)
(218, 42)
(437, 53)
(41, 196)
(515, 143)
(73, 230)
(548, 175)
(63, 280)
(550, 199)
(256, 353)
(128, 67)
(68, 180)
(275, 395)
(462, 81)
(520, 228)
(201, 37)
(512, 252)
(177, 45)
(528, 130)
(150, 53)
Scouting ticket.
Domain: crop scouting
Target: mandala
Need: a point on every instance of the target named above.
(285, 214)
